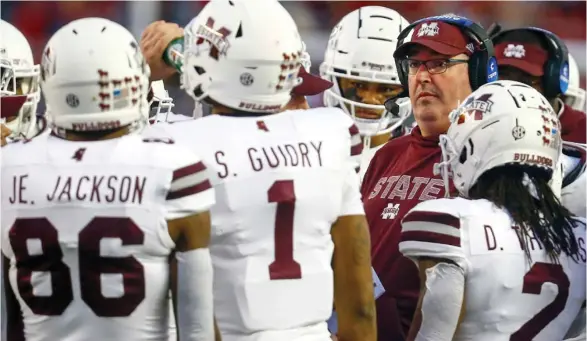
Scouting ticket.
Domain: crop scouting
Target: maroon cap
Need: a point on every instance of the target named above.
(438, 36)
(527, 57)
(311, 85)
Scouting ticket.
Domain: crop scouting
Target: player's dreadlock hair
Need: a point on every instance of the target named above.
(544, 215)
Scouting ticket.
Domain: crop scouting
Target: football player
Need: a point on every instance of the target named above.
(92, 212)
(289, 231)
(358, 65)
(19, 85)
(359, 61)
(485, 258)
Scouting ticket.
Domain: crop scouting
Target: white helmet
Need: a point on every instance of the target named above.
(242, 54)
(19, 82)
(504, 122)
(361, 47)
(575, 96)
(94, 77)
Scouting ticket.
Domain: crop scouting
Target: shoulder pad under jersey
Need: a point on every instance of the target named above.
(433, 229)
(337, 117)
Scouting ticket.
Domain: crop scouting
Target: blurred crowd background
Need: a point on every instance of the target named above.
(38, 20)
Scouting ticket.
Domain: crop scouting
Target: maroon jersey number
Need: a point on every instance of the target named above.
(539, 274)
(36, 248)
(284, 267)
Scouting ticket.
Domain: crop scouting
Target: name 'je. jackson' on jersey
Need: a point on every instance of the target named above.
(85, 188)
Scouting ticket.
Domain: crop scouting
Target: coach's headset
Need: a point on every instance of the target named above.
(482, 63)
(555, 80)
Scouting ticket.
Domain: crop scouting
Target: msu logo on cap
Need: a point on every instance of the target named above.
(514, 51)
(429, 30)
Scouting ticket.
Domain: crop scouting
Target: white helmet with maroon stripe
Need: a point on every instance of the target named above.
(242, 54)
(94, 77)
(503, 122)
(360, 48)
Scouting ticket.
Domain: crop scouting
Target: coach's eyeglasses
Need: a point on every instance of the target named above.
(434, 67)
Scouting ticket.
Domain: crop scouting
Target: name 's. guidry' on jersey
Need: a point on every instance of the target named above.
(84, 227)
(507, 297)
(281, 181)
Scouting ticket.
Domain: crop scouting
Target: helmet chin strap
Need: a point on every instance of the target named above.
(201, 110)
(443, 167)
(365, 153)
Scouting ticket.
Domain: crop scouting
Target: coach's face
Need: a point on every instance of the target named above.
(435, 93)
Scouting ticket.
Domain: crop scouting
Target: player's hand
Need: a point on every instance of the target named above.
(5, 133)
(333, 337)
(154, 41)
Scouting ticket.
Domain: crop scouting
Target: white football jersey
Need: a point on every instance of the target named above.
(368, 154)
(366, 157)
(507, 296)
(281, 181)
(84, 228)
(574, 185)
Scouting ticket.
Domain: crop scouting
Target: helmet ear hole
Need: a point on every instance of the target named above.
(200, 70)
(465, 153)
(463, 156)
(153, 108)
(198, 91)
(472, 146)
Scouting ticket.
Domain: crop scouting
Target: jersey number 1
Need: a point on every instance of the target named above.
(284, 267)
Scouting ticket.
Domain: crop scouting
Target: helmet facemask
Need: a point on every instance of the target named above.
(160, 107)
(346, 94)
(448, 158)
(19, 90)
